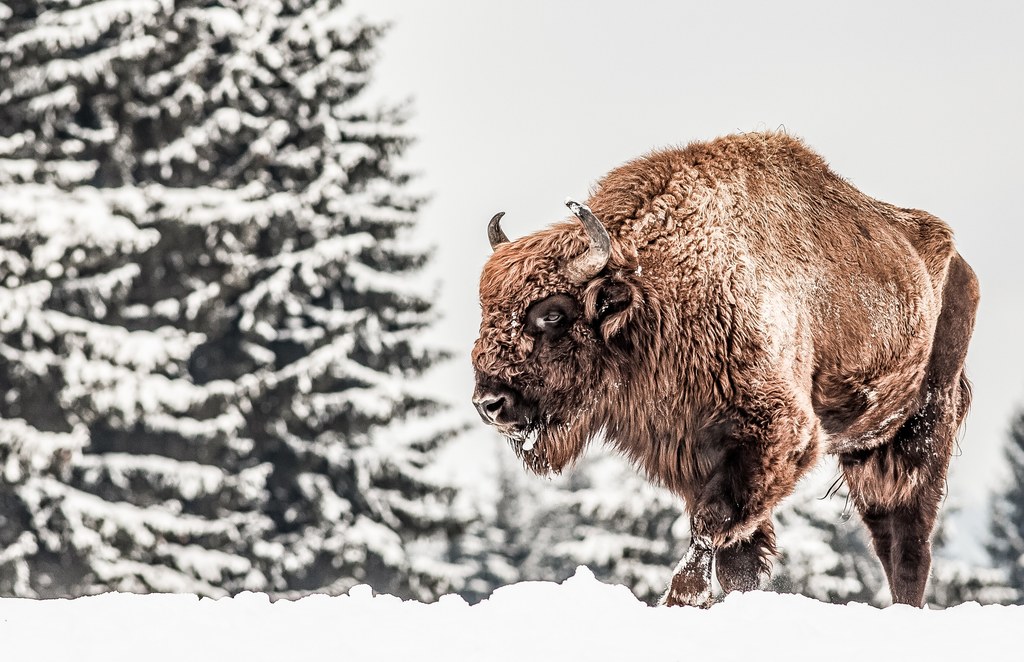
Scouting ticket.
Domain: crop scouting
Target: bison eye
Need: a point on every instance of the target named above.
(552, 316)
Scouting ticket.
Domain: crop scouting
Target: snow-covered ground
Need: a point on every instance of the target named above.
(581, 619)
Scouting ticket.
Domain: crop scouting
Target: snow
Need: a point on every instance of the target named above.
(28, 449)
(59, 221)
(581, 618)
(77, 27)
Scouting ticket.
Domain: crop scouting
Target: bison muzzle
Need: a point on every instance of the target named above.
(722, 314)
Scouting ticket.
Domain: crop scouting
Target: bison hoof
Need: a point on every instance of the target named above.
(687, 591)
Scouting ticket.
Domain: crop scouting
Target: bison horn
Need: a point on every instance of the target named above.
(494, 232)
(588, 265)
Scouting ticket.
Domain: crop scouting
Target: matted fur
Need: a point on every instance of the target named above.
(756, 311)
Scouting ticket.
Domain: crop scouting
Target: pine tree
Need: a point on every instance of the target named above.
(606, 516)
(823, 549)
(1007, 534)
(494, 548)
(209, 307)
(955, 580)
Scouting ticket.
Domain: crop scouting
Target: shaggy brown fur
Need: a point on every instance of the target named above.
(756, 311)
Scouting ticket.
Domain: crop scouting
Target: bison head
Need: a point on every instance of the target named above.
(556, 308)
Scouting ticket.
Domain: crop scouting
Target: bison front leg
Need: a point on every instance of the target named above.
(742, 566)
(739, 567)
(750, 465)
(691, 583)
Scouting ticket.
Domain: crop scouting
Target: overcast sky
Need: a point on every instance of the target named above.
(517, 105)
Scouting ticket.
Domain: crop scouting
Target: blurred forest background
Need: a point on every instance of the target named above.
(211, 355)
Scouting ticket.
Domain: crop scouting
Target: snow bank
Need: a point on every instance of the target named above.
(579, 619)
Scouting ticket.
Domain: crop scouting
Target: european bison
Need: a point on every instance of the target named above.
(722, 314)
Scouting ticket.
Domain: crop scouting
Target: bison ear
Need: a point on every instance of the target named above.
(609, 304)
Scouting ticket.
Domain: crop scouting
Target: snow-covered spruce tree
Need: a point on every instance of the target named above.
(823, 550)
(955, 580)
(496, 542)
(207, 307)
(1007, 534)
(604, 515)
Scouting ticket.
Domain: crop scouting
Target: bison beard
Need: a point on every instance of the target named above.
(722, 314)
(547, 448)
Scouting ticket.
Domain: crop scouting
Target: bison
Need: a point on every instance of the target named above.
(722, 314)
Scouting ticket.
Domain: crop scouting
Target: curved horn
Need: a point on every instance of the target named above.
(588, 265)
(494, 232)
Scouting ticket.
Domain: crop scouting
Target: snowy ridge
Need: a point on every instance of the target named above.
(578, 619)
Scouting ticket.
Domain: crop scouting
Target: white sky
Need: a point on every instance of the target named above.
(518, 104)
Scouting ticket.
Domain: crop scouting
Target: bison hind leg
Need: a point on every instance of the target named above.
(898, 487)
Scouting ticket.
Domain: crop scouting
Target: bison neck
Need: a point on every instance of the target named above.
(670, 420)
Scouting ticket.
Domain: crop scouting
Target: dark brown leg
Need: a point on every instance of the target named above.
(911, 554)
(898, 487)
(879, 525)
(742, 566)
(753, 461)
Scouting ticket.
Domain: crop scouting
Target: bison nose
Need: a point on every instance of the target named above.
(489, 406)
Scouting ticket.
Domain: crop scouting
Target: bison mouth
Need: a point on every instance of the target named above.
(546, 446)
(529, 444)
(522, 436)
(546, 441)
